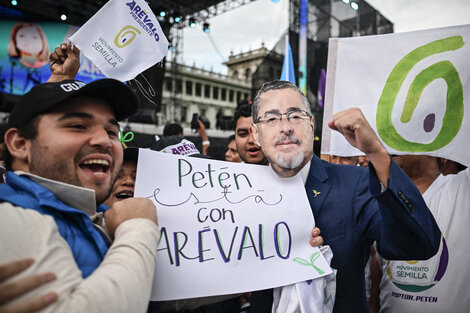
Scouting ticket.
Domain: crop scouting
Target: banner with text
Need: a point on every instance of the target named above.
(226, 227)
(413, 88)
(123, 39)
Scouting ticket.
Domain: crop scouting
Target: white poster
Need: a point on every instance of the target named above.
(226, 227)
(413, 88)
(123, 39)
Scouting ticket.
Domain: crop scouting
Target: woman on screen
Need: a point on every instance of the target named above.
(28, 44)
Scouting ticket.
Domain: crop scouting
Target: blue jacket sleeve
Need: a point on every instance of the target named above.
(404, 227)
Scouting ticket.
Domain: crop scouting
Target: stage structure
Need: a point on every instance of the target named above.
(79, 11)
(327, 19)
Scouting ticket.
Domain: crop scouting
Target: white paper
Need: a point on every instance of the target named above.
(369, 70)
(201, 198)
(122, 39)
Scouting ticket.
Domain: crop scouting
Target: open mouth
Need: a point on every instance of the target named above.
(253, 150)
(124, 194)
(95, 166)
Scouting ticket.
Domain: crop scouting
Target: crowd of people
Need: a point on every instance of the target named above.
(79, 241)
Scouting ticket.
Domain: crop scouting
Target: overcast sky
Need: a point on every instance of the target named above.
(247, 27)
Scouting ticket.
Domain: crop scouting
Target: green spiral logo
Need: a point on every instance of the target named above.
(126, 35)
(453, 116)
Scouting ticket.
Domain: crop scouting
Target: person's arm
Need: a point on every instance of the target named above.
(64, 63)
(400, 222)
(352, 124)
(376, 277)
(396, 218)
(123, 281)
(205, 140)
(12, 289)
(407, 223)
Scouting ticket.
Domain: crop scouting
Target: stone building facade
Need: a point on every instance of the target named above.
(188, 89)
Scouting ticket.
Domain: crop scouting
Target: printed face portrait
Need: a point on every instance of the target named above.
(287, 145)
(29, 40)
(28, 44)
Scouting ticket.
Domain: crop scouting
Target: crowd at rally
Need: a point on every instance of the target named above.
(74, 238)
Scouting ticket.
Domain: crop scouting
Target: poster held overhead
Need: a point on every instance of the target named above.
(413, 88)
(123, 39)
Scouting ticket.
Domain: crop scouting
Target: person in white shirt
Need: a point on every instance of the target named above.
(440, 283)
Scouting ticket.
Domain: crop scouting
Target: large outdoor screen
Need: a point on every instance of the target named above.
(24, 54)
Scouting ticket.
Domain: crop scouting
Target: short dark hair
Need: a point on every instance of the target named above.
(230, 138)
(276, 85)
(28, 130)
(172, 129)
(242, 111)
(3, 129)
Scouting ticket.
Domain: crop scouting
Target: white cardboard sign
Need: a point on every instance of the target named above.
(413, 88)
(226, 227)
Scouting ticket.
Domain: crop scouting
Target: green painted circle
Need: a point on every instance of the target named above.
(453, 116)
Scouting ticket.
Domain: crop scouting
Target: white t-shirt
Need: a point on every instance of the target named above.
(439, 284)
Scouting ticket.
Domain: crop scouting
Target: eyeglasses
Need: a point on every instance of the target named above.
(294, 117)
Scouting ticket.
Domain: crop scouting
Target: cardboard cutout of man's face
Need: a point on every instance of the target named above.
(287, 146)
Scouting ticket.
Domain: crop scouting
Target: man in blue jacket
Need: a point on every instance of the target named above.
(63, 155)
(353, 206)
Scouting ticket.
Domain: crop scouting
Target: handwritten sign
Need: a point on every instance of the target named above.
(226, 227)
(413, 88)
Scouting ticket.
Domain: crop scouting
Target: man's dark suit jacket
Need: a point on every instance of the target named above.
(352, 213)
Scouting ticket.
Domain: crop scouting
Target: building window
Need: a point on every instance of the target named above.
(183, 112)
(207, 91)
(239, 96)
(223, 94)
(215, 93)
(235, 74)
(247, 74)
(168, 84)
(189, 87)
(179, 86)
(245, 96)
(230, 96)
(198, 89)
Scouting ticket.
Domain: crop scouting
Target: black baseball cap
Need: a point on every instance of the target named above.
(44, 97)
